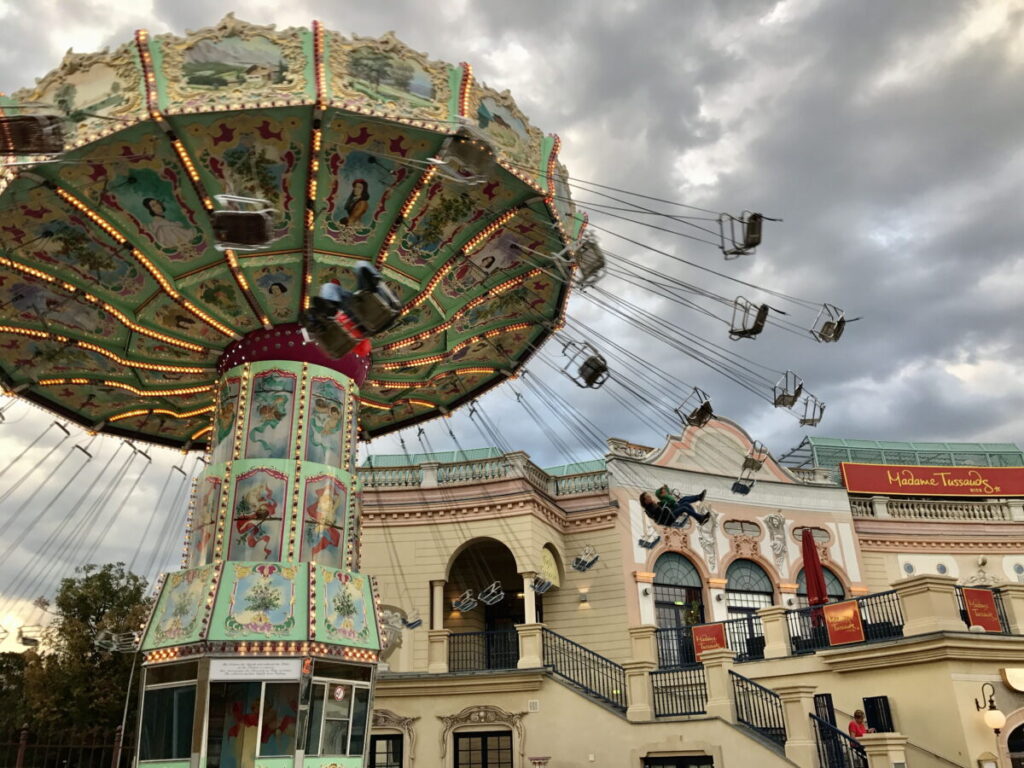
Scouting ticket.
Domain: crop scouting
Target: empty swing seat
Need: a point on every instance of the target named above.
(700, 415)
(752, 231)
(31, 135)
(594, 371)
(742, 487)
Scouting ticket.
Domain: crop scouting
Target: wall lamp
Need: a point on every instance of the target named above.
(994, 719)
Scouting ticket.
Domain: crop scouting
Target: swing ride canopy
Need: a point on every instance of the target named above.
(117, 309)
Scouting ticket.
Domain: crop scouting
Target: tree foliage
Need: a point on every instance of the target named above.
(67, 683)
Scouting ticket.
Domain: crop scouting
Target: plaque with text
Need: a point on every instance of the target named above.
(708, 637)
(981, 609)
(842, 620)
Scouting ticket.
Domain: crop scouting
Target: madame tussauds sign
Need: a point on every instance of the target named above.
(891, 480)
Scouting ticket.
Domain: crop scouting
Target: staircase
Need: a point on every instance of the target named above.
(596, 677)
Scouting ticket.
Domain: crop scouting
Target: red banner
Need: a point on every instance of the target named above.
(981, 609)
(894, 480)
(708, 637)
(842, 620)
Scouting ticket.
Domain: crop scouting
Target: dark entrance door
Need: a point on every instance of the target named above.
(676, 609)
(483, 750)
(690, 761)
(501, 641)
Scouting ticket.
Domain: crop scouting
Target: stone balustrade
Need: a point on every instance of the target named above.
(514, 465)
(882, 507)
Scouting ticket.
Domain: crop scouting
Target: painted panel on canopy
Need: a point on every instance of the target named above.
(276, 283)
(363, 181)
(261, 601)
(32, 359)
(416, 320)
(136, 181)
(387, 77)
(372, 418)
(105, 401)
(217, 292)
(445, 215)
(155, 350)
(233, 63)
(165, 314)
(170, 379)
(163, 426)
(497, 115)
(345, 610)
(271, 414)
(260, 155)
(47, 232)
(430, 344)
(531, 301)
(506, 253)
(29, 302)
(442, 387)
(90, 89)
(180, 609)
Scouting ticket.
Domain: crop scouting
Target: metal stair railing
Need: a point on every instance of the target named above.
(594, 674)
(835, 748)
(759, 708)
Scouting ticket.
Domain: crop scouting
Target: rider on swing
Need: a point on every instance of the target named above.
(668, 507)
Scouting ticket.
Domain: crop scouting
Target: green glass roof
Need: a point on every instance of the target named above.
(828, 452)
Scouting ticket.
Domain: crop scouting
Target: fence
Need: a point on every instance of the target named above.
(680, 691)
(997, 597)
(94, 749)
(744, 637)
(881, 616)
(597, 676)
(835, 748)
(759, 708)
(476, 651)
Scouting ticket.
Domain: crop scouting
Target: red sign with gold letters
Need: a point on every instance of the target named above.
(842, 620)
(708, 637)
(895, 480)
(981, 609)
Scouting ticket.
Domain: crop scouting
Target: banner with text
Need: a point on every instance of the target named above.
(895, 480)
(842, 620)
(708, 637)
(981, 609)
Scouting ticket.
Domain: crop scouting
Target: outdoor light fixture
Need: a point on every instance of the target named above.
(994, 719)
(584, 598)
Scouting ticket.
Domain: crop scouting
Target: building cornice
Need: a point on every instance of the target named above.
(944, 545)
(458, 685)
(940, 646)
(491, 510)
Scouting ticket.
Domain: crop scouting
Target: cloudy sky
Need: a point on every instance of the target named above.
(888, 136)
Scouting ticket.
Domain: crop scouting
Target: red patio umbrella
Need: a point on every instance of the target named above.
(814, 576)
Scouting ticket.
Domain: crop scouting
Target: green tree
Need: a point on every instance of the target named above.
(402, 73)
(371, 66)
(68, 680)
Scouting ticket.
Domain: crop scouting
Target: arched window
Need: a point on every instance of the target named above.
(833, 587)
(1015, 746)
(678, 598)
(747, 588)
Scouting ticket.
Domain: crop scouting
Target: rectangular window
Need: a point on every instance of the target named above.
(167, 715)
(483, 750)
(386, 751)
(337, 718)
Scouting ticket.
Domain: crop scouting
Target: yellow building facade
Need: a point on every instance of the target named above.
(537, 617)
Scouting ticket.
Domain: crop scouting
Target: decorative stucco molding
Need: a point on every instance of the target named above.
(385, 718)
(483, 714)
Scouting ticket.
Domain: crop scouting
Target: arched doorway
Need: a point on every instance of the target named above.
(1015, 746)
(833, 588)
(483, 628)
(748, 589)
(678, 604)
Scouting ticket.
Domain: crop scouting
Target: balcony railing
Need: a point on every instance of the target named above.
(835, 748)
(997, 599)
(744, 636)
(681, 691)
(759, 708)
(881, 616)
(924, 509)
(480, 651)
(467, 472)
(591, 672)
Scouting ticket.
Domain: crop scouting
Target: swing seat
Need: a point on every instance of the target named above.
(467, 157)
(374, 311)
(412, 622)
(585, 560)
(752, 464)
(242, 230)
(752, 231)
(700, 415)
(540, 586)
(744, 331)
(492, 594)
(593, 372)
(787, 399)
(742, 487)
(465, 602)
(319, 323)
(832, 330)
(31, 135)
(591, 262)
(649, 540)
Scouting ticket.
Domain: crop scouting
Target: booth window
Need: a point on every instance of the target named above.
(168, 708)
(337, 718)
(251, 718)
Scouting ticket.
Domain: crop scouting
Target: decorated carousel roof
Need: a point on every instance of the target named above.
(115, 306)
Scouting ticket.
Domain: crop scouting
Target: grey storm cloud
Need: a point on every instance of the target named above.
(886, 135)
